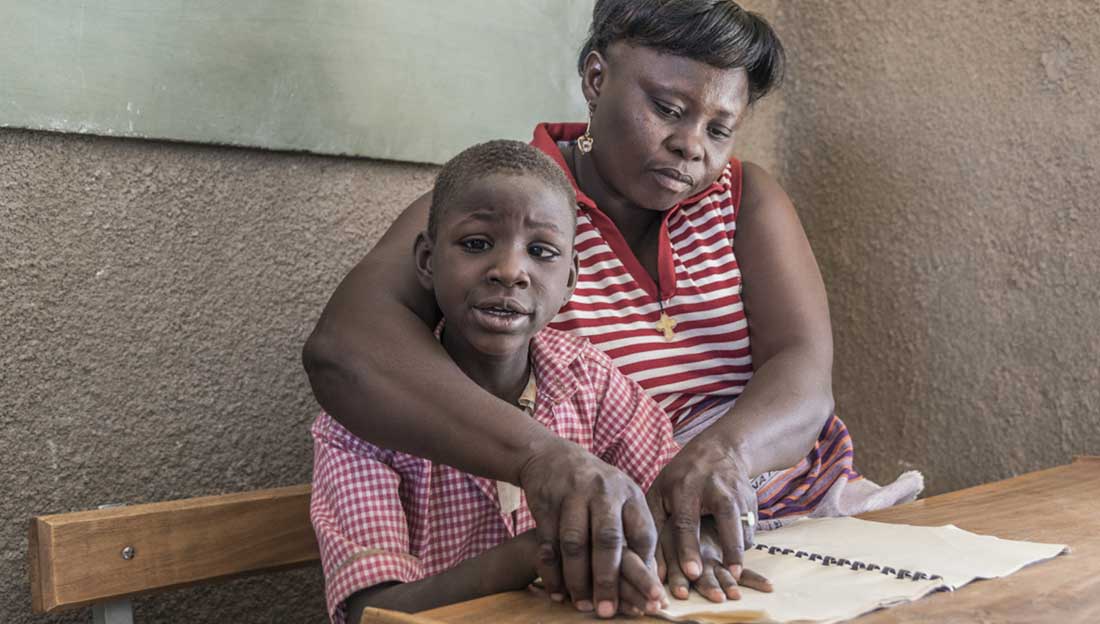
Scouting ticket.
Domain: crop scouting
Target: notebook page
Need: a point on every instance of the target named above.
(808, 590)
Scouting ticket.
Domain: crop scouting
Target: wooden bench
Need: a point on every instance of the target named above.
(102, 558)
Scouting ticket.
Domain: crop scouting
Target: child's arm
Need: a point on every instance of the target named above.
(508, 566)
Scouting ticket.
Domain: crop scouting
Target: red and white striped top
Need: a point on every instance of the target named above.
(617, 305)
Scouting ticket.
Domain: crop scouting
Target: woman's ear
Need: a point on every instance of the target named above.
(592, 76)
(422, 255)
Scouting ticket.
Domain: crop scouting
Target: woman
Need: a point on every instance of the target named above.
(662, 207)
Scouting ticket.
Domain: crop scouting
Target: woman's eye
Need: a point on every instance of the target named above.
(666, 110)
(542, 251)
(720, 133)
(475, 244)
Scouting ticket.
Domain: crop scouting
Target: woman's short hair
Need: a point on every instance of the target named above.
(500, 156)
(715, 32)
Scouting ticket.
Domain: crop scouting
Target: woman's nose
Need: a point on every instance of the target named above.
(687, 141)
(509, 268)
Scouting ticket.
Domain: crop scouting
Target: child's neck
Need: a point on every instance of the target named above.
(505, 377)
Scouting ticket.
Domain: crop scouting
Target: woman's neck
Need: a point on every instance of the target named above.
(636, 224)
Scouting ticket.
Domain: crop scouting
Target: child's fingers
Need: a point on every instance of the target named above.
(631, 602)
(643, 580)
(707, 584)
(662, 570)
(756, 581)
(727, 583)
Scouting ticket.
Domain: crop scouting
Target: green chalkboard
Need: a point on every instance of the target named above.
(413, 80)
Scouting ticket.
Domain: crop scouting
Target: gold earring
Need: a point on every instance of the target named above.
(584, 141)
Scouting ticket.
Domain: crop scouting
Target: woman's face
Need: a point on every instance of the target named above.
(664, 125)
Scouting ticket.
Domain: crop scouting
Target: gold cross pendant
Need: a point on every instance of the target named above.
(666, 325)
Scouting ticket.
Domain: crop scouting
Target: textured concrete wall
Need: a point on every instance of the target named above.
(154, 299)
(944, 157)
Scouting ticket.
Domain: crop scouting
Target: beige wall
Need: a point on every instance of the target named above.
(154, 296)
(944, 157)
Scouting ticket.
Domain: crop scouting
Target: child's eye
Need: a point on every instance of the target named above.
(544, 252)
(475, 244)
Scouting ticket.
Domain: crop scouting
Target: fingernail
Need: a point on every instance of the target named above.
(584, 605)
(692, 569)
(557, 597)
(606, 609)
(652, 606)
(735, 570)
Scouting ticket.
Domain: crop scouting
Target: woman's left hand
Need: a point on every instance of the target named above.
(705, 478)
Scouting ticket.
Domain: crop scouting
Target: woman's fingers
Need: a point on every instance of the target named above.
(644, 547)
(727, 521)
(607, 550)
(586, 511)
(573, 542)
(678, 584)
(685, 536)
(548, 559)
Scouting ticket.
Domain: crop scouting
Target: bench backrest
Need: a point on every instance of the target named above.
(88, 557)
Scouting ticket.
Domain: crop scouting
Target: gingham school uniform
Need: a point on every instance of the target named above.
(383, 516)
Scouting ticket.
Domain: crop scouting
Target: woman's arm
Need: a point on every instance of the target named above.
(375, 366)
(778, 417)
(505, 567)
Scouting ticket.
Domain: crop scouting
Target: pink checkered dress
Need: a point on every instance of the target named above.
(383, 516)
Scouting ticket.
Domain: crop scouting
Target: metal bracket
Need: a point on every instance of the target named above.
(113, 612)
(119, 611)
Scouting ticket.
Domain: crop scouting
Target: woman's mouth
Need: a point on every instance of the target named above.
(673, 179)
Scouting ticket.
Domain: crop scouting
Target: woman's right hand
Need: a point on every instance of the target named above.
(716, 583)
(586, 512)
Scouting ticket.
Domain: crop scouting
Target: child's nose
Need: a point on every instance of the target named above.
(510, 269)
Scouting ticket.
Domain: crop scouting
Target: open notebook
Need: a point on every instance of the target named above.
(833, 569)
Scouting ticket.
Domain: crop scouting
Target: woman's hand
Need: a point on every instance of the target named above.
(716, 583)
(591, 519)
(705, 478)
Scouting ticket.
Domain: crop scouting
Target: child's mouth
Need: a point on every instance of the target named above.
(497, 317)
(499, 311)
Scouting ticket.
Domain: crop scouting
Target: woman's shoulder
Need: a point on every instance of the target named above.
(759, 187)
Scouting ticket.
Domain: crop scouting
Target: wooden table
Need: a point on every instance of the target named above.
(1059, 505)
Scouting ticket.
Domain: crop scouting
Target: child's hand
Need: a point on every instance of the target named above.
(716, 583)
(635, 574)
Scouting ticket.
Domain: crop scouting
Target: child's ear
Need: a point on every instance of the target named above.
(422, 255)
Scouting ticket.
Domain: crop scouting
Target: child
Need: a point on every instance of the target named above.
(400, 532)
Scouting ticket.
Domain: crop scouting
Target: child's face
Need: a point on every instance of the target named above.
(502, 262)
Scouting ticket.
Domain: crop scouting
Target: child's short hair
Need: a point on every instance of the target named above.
(493, 157)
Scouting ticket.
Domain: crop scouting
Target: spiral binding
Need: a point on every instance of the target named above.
(827, 560)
